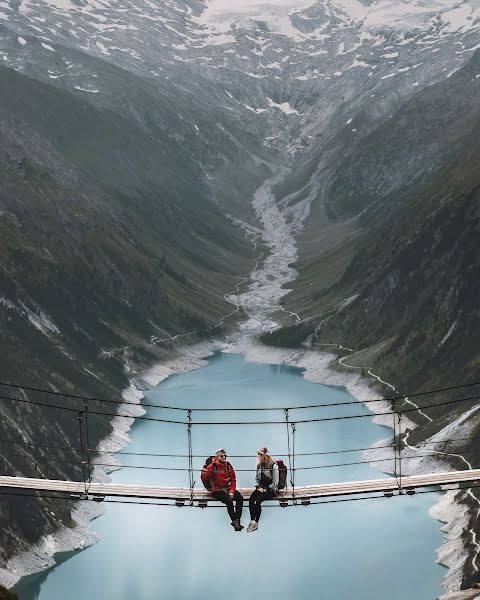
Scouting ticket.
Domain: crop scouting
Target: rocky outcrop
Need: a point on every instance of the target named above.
(471, 594)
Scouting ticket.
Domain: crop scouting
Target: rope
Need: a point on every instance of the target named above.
(190, 456)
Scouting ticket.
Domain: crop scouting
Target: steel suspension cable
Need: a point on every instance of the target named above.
(316, 420)
(183, 469)
(249, 409)
(158, 455)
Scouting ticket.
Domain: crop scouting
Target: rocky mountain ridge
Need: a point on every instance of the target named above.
(134, 136)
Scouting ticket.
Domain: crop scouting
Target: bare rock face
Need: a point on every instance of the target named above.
(463, 595)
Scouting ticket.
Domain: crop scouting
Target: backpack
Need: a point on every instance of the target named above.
(208, 484)
(282, 474)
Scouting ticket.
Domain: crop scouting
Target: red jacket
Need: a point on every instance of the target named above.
(224, 478)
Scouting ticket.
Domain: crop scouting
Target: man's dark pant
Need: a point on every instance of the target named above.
(235, 513)
(255, 503)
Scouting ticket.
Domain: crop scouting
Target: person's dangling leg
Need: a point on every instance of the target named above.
(268, 495)
(225, 498)
(238, 498)
(252, 505)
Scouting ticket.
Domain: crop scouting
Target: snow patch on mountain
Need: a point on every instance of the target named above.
(223, 15)
(285, 107)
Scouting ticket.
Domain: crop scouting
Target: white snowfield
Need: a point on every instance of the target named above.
(404, 14)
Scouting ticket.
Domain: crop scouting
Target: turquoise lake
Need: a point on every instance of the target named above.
(376, 549)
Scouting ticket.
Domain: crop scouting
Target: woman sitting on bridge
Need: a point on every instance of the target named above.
(267, 478)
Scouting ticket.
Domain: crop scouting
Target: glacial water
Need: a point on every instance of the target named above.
(375, 549)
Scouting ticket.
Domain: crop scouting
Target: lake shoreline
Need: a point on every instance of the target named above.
(317, 368)
(41, 556)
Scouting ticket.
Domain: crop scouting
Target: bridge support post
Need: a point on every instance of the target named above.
(82, 447)
(190, 455)
(397, 445)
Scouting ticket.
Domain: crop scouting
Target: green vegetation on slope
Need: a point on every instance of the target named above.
(108, 236)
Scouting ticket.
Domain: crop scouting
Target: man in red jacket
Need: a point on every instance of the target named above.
(221, 476)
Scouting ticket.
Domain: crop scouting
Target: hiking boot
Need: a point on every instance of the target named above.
(236, 525)
(253, 526)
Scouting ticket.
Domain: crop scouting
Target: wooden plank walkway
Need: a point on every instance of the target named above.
(98, 491)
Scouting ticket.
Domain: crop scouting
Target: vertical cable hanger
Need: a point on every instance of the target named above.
(285, 410)
(89, 466)
(400, 488)
(292, 471)
(82, 447)
(397, 446)
(190, 455)
(394, 416)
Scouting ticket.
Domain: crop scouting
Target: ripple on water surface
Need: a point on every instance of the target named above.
(375, 549)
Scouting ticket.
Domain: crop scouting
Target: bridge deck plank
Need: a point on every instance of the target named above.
(301, 492)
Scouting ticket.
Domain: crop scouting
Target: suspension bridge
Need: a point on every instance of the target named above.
(182, 496)
(89, 489)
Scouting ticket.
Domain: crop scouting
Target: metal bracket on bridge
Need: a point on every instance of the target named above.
(388, 493)
(98, 498)
(283, 503)
(179, 503)
(79, 496)
(202, 503)
(305, 501)
(409, 491)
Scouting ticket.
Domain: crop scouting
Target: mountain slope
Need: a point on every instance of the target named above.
(405, 292)
(109, 240)
(133, 138)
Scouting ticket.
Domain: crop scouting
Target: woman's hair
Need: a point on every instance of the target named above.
(264, 457)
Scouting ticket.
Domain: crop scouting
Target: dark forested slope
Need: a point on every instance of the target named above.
(413, 187)
(107, 237)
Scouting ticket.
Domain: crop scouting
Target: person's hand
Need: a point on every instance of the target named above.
(262, 490)
(230, 494)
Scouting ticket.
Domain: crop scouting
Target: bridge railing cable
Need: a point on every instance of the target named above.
(240, 409)
(387, 459)
(453, 440)
(225, 423)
